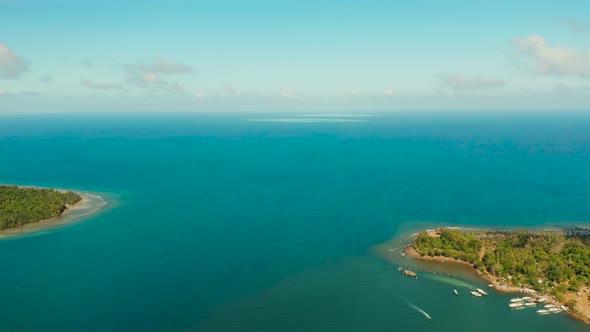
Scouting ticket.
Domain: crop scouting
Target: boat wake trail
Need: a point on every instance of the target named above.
(418, 309)
(448, 280)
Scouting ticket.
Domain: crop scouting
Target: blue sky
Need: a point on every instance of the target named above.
(293, 55)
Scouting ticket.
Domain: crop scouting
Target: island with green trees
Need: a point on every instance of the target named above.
(552, 263)
(24, 205)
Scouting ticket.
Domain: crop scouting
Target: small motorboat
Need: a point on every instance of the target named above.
(481, 291)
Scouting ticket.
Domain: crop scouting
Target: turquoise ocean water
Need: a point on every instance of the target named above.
(222, 224)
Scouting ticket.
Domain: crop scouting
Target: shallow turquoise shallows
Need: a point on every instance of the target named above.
(217, 223)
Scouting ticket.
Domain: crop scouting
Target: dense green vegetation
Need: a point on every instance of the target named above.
(549, 261)
(19, 206)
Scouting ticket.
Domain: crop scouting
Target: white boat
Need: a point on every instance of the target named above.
(526, 298)
(543, 312)
(541, 300)
(482, 292)
(476, 294)
(554, 310)
(515, 305)
(455, 291)
(548, 306)
(519, 308)
(516, 299)
(530, 304)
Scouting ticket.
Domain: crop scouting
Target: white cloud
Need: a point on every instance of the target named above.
(139, 78)
(571, 89)
(462, 83)
(160, 65)
(553, 60)
(577, 26)
(350, 93)
(151, 74)
(199, 95)
(18, 94)
(46, 79)
(87, 63)
(12, 66)
(230, 90)
(100, 86)
(389, 92)
(288, 94)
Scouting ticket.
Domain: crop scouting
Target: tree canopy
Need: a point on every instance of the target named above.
(19, 206)
(545, 261)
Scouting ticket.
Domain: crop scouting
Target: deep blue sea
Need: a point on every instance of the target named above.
(217, 223)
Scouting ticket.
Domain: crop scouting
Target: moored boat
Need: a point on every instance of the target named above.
(411, 274)
(516, 299)
(481, 291)
(530, 304)
(476, 294)
(515, 305)
(543, 312)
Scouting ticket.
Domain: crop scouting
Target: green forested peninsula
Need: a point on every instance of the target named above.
(555, 262)
(19, 206)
